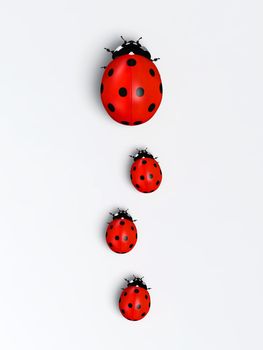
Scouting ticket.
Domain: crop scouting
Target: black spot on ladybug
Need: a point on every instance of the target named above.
(110, 72)
(131, 62)
(122, 311)
(117, 238)
(130, 305)
(124, 122)
(111, 107)
(146, 296)
(152, 72)
(151, 107)
(155, 165)
(101, 88)
(144, 161)
(110, 244)
(138, 122)
(143, 314)
(122, 223)
(134, 168)
(136, 290)
(125, 293)
(150, 176)
(139, 91)
(138, 306)
(123, 92)
(157, 182)
(161, 88)
(125, 238)
(132, 228)
(142, 177)
(131, 245)
(137, 186)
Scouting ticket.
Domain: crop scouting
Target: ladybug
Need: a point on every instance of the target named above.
(131, 87)
(121, 233)
(146, 174)
(135, 301)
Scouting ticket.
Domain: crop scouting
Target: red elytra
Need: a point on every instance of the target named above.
(145, 173)
(135, 301)
(131, 86)
(121, 233)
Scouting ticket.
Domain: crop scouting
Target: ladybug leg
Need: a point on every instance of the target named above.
(138, 40)
(155, 59)
(124, 41)
(103, 67)
(108, 50)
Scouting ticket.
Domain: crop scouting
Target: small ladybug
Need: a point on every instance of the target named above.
(146, 174)
(135, 301)
(121, 233)
(131, 87)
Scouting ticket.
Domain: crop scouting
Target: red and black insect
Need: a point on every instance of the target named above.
(135, 301)
(131, 86)
(121, 233)
(146, 174)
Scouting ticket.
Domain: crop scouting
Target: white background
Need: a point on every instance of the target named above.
(64, 165)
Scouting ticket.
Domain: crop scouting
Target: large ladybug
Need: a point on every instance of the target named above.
(135, 301)
(121, 233)
(146, 174)
(131, 87)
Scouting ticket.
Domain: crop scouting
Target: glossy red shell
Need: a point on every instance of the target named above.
(121, 235)
(131, 89)
(134, 303)
(146, 174)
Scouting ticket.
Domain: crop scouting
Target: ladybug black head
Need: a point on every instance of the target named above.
(142, 153)
(121, 214)
(136, 282)
(131, 47)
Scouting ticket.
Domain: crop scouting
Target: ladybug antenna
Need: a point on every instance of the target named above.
(108, 50)
(155, 59)
(132, 156)
(125, 279)
(111, 214)
(138, 40)
(125, 41)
